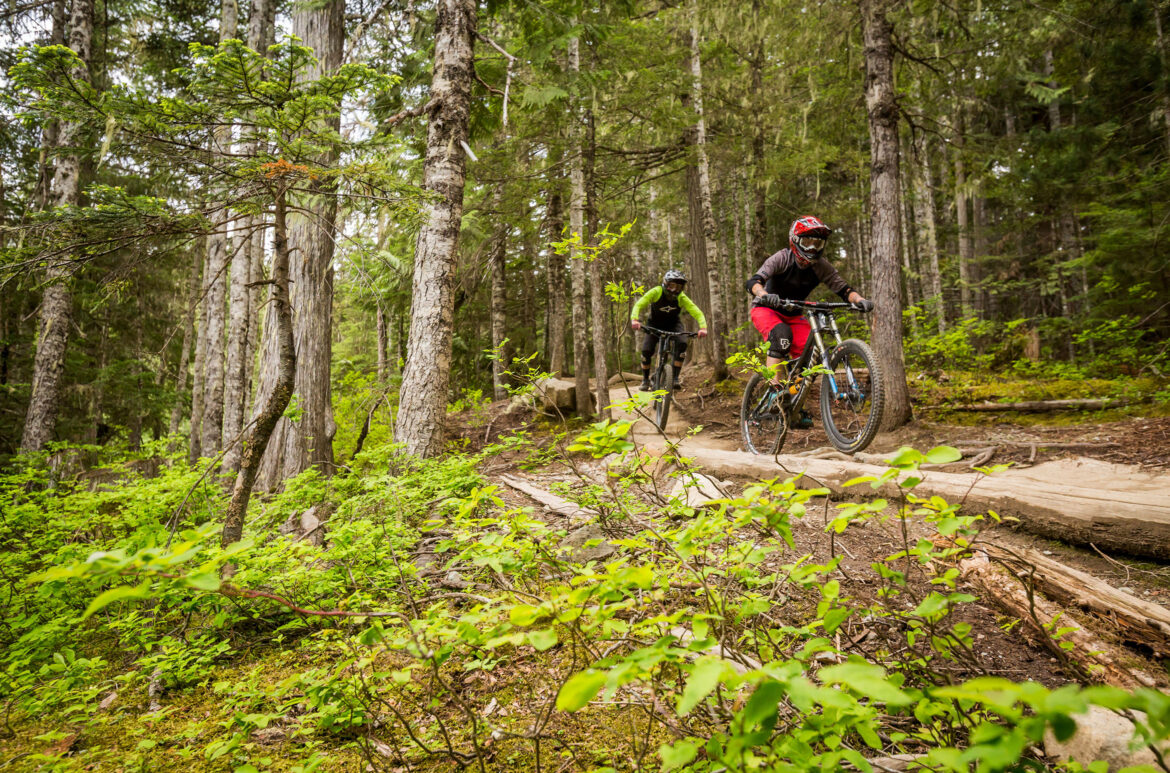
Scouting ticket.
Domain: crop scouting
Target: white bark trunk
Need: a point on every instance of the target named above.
(712, 247)
(577, 266)
(423, 401)
(57, 304)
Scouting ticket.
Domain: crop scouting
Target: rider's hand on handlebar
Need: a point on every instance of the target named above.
(863, 305)
(635, 324)
(771, 300)
(702, 332)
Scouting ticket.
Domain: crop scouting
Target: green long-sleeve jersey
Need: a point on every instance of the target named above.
(663, 311)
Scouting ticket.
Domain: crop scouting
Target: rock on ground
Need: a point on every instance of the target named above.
(1101, 735)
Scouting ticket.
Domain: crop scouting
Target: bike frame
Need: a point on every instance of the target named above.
(665, 348)
(822, 323)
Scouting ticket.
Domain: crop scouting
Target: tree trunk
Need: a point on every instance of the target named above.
(296, 447)
(712, 247)
(195, 449)
(577, 266)
(600, 308)
(219, 251)
(498, 262)
(383, 345)
(924, 218)
(235, 397)
(555, 224)
(423, 399)
(1163, 57)
(278, 397)
(185, 352)
(883, 130)
(57, 303)
(962, 219)
(698, 288)
(979, 250)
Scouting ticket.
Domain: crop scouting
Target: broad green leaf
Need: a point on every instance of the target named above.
(114, 595)
(208, 581)
(676, 755)
(580, 689)
(865, 679)
(943, 455)
(543, 639)
(704, 678)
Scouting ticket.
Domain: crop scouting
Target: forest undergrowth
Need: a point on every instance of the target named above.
(439, 621)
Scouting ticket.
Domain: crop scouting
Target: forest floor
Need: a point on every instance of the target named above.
(1136, 446)
(285, 694)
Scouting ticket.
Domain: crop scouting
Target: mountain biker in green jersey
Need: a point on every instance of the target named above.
(666, 303)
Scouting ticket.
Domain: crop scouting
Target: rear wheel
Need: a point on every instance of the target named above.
(852, 414)
(663, 379)
(761, 417)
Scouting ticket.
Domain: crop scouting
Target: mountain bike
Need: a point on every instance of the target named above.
(851, 393)
(663, 375)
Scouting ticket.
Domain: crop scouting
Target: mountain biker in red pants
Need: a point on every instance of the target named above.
(790, 275)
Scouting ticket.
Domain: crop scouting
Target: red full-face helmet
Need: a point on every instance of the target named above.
(807, 238)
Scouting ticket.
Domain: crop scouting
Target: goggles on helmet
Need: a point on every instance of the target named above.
(810, 243)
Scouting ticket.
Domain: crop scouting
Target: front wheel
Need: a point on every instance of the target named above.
(663, 379)
(852, 396)
(761, 417)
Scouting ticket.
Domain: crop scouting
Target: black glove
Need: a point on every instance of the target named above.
(771, 300)
(864, 305)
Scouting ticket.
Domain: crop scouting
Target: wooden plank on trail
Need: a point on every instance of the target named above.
(551, 501)
(1083, 501)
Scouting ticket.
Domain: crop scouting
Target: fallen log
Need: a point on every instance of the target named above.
(1040, 406)
(1131, 619)
(1095, 660)
(1083, 501)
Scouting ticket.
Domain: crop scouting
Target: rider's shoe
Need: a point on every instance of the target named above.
(678, 381)
(645, 386)
(804, 422)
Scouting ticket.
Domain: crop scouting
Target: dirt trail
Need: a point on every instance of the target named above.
(1087, 501)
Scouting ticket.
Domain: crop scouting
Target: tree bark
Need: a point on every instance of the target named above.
(555, 225)
(194, 450)
(599, 308)
(219, 251)
(277, 398)
(185, 352)
(235, 396)
(497, 260)
(308, 442)
(697, 269)
(425, 378)
(1165, 61)
(57, 303)
(383, 345)
(924, 219)
(712, 246)
(577, 267)
(962, 219)
(883, 130)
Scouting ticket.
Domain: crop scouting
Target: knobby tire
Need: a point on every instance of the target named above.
(848, 439)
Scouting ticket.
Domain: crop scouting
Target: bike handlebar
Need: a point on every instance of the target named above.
(819, 305)
(658, 332)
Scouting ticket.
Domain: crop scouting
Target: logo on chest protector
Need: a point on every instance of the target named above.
(667, 309)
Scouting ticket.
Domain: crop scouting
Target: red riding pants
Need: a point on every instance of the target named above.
(765, 319)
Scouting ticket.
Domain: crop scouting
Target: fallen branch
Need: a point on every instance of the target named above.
(1132, 619)
(1089, 658)
(1039, 406)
